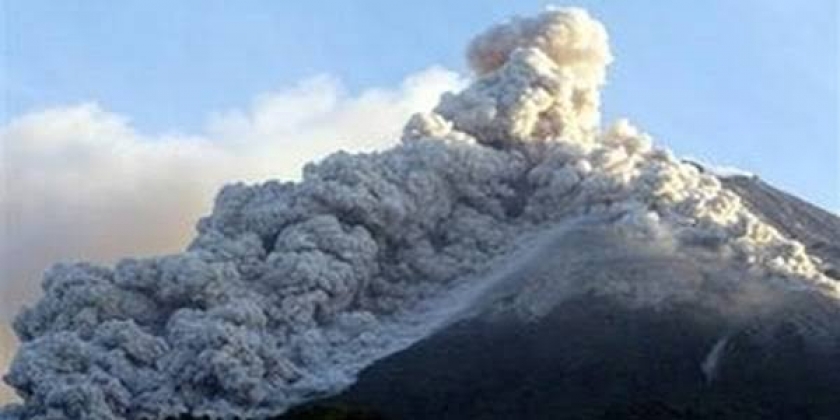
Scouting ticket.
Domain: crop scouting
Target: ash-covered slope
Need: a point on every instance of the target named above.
(508, 202)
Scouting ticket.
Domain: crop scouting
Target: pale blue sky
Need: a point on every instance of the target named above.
(750, 83)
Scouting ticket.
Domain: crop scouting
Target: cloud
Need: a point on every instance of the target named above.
(531, 51)
(719, 170)
(7, 347)
(81, 183)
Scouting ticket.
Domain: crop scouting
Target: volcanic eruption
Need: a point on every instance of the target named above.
(510, 258)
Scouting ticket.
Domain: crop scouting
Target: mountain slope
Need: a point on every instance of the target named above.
(586, 351)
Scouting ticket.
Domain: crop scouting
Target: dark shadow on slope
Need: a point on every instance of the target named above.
(324, 412)
(593, 359)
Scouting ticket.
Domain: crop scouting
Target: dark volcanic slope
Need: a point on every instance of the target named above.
(752, 351)
(591, 358)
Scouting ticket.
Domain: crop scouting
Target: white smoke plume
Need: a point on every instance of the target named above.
(291, 287)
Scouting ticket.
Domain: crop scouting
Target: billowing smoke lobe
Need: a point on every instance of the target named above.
(85, 185)
(290, 289)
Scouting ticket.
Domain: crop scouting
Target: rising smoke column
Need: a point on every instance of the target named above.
(285, 281)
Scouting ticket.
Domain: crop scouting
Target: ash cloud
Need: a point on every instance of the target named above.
(290, 288)
(81, 183)
(8, 344)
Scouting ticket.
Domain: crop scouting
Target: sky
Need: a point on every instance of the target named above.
(120, 120)
(749, 83)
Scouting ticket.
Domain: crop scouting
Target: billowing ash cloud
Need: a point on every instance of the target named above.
(81, 183)
(84, 184)
(290, 288)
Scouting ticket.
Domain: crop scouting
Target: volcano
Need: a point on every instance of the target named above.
(511, 258)
(542, 346)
